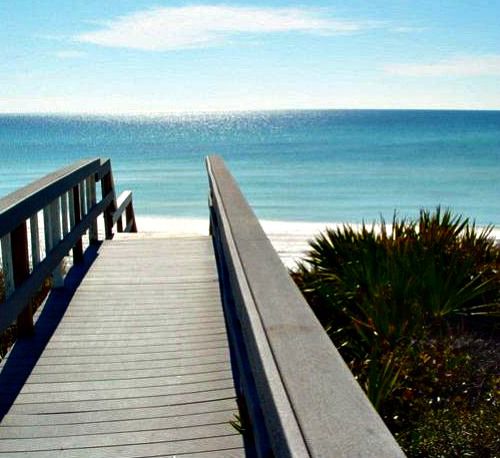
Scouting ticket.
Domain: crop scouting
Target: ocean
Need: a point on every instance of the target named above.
(294, 167)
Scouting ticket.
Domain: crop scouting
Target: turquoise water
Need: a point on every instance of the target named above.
(335, 165)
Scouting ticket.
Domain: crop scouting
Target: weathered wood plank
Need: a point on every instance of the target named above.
(81, 418)
(7, 266)
(91, 201)
(89, 397)
(35, 240)
(97, 367)
(138, 316)
(116, 329)
(55, 229)
(117, 426)
(114, 439)
(124, 199)
(64, 214)
(76, 215)
(113, 349)
(118, 375)
(168, 341)
(150, 382)
(160, 448)
(138, 335)
(83, 198)
(126, 403)
(89, 359)
(21, 269)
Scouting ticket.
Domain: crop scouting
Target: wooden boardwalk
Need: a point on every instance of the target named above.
(142, 348)
(133, 362)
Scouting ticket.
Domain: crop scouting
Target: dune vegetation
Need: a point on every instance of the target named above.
(414, 307)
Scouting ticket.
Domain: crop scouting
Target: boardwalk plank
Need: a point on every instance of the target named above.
(127, 403)
(122, 394)
(147, 424)
(165, 448)
(126, 366)
(113, 439)
(78, 418)
(48, 387)
(118, 375)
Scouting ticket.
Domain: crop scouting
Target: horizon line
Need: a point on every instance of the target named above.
(230, 110)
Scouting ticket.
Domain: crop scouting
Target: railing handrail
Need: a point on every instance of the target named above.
(311, 404)
(24, 202)
(70, 208)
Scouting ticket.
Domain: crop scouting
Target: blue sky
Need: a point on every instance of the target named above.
(138, 56)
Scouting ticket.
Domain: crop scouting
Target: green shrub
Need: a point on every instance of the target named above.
(396, 300)
(387, 284)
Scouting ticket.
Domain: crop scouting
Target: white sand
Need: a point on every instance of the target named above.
(290, 239)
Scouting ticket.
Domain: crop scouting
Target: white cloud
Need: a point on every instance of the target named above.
(483, 65)
(169, 28)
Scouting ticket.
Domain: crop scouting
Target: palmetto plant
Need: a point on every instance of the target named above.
(378, 288)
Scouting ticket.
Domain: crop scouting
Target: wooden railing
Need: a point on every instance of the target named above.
(70, 207)
(295, 391)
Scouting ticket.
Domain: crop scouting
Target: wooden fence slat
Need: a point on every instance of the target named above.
(71, 208)
(91, 201)
(47, 229)
(64, 213)
(55, 212)
(8, 269)
(83, 203)
(78, 248)
(107, 187)
(21, 270)
(35, 240)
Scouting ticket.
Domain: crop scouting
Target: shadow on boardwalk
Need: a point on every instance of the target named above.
(23, 356)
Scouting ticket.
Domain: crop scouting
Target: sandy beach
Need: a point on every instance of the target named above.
(289, 238)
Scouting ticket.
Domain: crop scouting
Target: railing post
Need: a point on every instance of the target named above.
(107, 187)
(21, 270)
(55, 221)
(83, 205)
(7, 267)
(91, 201)
(75, 215)
(119, 224)
(130, 217)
